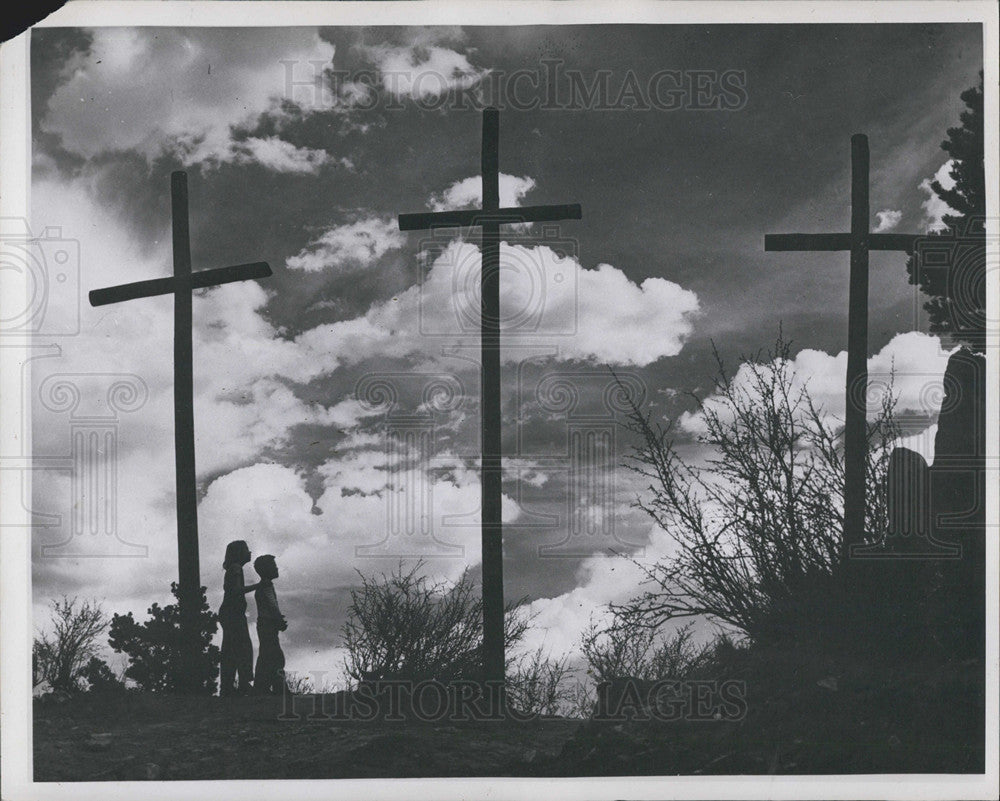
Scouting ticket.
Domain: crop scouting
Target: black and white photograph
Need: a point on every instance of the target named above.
(586, 400)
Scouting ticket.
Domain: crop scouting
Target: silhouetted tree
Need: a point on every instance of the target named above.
(157, 658)
(957, 289)
(59, 655)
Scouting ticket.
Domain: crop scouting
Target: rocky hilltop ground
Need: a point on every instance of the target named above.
(817, 718)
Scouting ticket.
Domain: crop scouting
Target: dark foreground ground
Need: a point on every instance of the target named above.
(150, 737)
(806, 719)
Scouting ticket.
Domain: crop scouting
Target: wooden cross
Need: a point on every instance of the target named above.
(859, 242)
(490, 217)
(181, 285)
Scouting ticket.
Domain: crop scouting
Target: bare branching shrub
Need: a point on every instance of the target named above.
(618, 650)
(627, 648)
(758, 524)
(403, 626)
(581, 698)
(299, 684)
(320, 683)
(60, 655)
(537, 684)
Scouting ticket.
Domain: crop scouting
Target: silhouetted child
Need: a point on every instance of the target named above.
(237, 650)
(270, 673)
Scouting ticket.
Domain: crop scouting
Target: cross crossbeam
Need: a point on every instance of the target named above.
(830, 242)
(164, 286)
(473, 217)
(858, 242)
(490, 217)
(181, 285)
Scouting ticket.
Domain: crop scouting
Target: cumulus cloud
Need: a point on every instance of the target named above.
(887, 219)
(934, 208)
(363, 494)
(204, 84)
(469, 192)
(350, 246)
(601, 579)
(278, 155)
(242, 365)
(423, 65)
(598, 315)
(914, 363)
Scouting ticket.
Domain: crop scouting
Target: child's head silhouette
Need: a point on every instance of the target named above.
(266, 567)
(237, 553)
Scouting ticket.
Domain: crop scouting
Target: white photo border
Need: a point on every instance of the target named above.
(15, 551)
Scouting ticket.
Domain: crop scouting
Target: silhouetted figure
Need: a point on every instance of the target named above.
(270, 673)
(237, 650)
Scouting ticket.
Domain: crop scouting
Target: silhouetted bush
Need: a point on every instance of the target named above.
(155, 648)
(402, 626)
(758, 525)
(537, 684)
(626, 648)
(60, 655)
(100, 678)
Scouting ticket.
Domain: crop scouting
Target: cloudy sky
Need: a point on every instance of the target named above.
(337, 401)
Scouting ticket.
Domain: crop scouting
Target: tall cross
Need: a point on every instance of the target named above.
(859, 242)
(181, 285)
(490, 217)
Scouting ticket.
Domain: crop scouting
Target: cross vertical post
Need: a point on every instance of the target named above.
(855, 412)
(189, 569)
(860, 241)
(490, 217)
(492, 477)
(181, 285)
